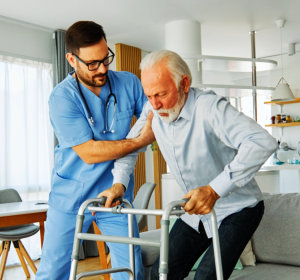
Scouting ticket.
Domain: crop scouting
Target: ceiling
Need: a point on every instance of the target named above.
(225, 24)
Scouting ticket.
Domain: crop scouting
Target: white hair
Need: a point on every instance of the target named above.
(176, 65)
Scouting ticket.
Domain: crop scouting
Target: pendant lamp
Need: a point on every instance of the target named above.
(282, 91)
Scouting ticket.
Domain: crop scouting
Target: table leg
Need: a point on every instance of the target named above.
(42, 231)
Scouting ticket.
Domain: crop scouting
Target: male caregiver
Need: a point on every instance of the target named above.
(90, 111)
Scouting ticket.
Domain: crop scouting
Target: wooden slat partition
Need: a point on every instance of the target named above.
(128, 58)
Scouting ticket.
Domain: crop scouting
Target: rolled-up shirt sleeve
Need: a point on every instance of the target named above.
(254, 146)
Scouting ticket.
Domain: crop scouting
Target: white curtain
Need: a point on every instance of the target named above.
(26, 137)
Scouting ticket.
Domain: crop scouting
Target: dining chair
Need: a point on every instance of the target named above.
(14, 234)
(141, 201)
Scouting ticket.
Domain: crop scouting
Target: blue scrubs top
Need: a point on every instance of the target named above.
(74, 181)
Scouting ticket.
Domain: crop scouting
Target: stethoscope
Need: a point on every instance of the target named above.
(90, 117)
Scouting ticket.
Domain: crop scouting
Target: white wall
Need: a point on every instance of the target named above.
(268, 181)
(24, 40)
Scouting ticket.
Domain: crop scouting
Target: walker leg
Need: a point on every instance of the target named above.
(76, 244)
(164, 250)
(216, 245)
(131, 246)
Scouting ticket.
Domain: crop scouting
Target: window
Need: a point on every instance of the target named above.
(26, 138)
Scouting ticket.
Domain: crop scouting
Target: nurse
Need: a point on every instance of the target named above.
(90, 111)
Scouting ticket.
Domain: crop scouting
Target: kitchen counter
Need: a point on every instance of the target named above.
(278, 167)
(284, 178)
(271, 178)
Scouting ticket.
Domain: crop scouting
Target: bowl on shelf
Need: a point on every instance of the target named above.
(286, 156)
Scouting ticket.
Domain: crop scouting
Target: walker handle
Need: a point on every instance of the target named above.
(104, 198)
(185, 200)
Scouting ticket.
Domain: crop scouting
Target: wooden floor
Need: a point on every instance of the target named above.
(17, 273)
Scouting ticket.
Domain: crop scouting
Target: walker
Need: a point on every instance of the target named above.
(173, 208)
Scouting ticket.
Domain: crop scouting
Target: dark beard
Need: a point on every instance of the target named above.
(92, 82)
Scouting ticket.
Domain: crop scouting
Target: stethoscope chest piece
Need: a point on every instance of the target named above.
(108, 129)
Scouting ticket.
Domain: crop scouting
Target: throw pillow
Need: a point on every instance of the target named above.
(238, 265)
(247, 256)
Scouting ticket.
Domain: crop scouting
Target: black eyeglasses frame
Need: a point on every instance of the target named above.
(99, 62)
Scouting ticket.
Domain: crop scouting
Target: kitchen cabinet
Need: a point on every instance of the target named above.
(283, 178)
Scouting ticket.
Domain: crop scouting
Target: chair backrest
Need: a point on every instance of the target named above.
(9, 195)
(141, 201)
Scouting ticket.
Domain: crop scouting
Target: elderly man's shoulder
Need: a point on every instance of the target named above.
(206, 96)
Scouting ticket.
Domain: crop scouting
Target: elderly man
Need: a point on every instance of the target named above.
(214, 152)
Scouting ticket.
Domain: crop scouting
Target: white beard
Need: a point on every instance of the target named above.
(174, 112)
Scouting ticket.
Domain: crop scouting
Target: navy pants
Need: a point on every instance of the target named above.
(187, 245)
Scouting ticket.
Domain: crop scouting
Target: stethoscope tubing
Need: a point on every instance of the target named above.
(90, 117)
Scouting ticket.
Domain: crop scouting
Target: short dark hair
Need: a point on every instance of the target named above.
(83, 34)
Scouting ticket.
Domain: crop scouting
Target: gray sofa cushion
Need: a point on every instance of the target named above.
(263, 271)
(277, 239)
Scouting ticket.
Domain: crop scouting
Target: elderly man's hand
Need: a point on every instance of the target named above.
(147, 135)
(115, 191)
(201, 200)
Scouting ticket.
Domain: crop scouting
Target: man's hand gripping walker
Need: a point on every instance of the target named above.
(173, 208)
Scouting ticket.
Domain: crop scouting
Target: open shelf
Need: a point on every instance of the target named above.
(283, 124)
(296, 100)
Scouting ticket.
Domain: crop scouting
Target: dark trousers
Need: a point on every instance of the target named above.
(187, 245)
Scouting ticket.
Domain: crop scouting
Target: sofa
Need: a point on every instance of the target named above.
(276, 242)
(274, 250)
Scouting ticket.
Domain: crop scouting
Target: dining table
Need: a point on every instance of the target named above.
(25, 212)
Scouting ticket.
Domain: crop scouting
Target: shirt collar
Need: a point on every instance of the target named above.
(188, 107)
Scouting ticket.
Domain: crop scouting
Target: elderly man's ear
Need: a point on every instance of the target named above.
(185, 84)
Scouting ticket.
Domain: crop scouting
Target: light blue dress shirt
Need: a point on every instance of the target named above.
(210, 143)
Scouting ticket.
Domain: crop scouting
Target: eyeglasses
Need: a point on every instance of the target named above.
(92, 66)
